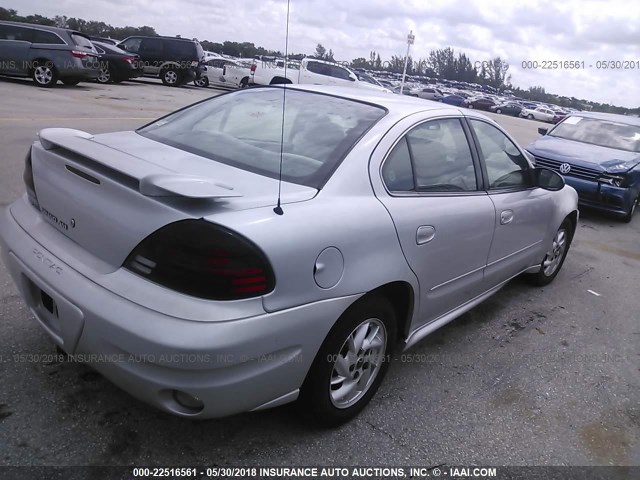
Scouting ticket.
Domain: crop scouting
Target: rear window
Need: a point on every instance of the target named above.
(246, 129)
(82, 41)
(40, 36)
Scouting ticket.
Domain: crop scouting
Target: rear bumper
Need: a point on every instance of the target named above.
(231, 366)
(602, 196)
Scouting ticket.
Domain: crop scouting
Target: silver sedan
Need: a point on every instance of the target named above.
(275, 244)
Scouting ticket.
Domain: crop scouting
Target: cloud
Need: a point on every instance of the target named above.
(584, 30)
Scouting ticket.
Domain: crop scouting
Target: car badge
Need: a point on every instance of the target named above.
(565, 168)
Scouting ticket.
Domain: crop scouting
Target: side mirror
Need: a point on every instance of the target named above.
(542, 130)
(547, 179)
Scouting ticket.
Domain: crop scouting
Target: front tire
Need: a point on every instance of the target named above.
(530, 117)
(554, 259)
(171, 77)
(498, 111)
(44, 74)
(470, 106)
(629, 216)
(352, 362)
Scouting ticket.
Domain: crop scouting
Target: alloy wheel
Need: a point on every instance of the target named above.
(104, 76)
(171, 77)
(554, 256)
(43, 74)
(357, 363)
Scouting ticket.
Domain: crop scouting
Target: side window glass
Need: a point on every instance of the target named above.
(506, 165)
(40, 36)
(18, 33)
(338, 72)
(132, 45)
(442, 157)
(397, 173)
(151, 46)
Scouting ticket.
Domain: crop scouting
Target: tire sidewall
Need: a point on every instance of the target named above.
(540, 278)
(315, 390)
(178, 81)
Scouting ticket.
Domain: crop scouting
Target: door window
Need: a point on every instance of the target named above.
(434, 157)
(132, 45)
(151, 47)
(506, 165)
(10, 32)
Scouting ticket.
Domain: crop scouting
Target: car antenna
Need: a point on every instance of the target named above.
(278, 209)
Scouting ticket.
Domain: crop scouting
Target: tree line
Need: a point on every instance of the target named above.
(442, 63)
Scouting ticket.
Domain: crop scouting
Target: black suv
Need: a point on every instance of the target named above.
(176, 61)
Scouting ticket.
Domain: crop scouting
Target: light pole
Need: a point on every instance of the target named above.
(410, 38)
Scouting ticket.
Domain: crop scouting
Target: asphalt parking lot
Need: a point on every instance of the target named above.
(534, 376)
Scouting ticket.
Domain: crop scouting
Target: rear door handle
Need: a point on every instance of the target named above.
(425, 234)
(506, 217)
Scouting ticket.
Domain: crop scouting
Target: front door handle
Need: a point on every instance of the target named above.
(506, 217)
(425, 234)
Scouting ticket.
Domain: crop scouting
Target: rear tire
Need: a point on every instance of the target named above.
(105, 75)
(554, 259)
(530, 117)
(44, 74)
(498, 111)
(202, 82)
(244, 83)
(351, 363)
(470, 106)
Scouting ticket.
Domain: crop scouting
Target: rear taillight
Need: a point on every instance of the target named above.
(28, 181)
(129, 60)
(78, 54)
(204, 260)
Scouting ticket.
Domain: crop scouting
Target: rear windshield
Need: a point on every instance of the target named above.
(245, 129)
(82, 41)
(605, 133)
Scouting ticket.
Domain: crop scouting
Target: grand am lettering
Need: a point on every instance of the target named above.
(47, 261)
(55, 219)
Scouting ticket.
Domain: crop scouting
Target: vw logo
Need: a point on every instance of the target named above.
(565, 168)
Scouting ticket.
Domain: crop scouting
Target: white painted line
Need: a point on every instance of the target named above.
(594, 293)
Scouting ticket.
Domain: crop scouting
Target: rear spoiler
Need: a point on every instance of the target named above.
(153, 180)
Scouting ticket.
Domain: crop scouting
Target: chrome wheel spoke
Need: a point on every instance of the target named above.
(360, 336)
(342, 367)
(358, 363)
(346, 389)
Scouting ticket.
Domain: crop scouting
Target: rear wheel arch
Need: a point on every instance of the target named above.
(279, 81)
(401, 296)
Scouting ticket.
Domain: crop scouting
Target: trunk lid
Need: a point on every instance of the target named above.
(108, 192)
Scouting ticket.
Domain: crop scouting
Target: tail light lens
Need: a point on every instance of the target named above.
(28, 181)
(204, 260)
(129, 60)
(78, 54)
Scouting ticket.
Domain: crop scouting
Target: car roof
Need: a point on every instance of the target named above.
(395, 104)
(46, 28)
(613, 117)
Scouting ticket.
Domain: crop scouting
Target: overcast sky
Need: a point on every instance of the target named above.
(582, 30)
